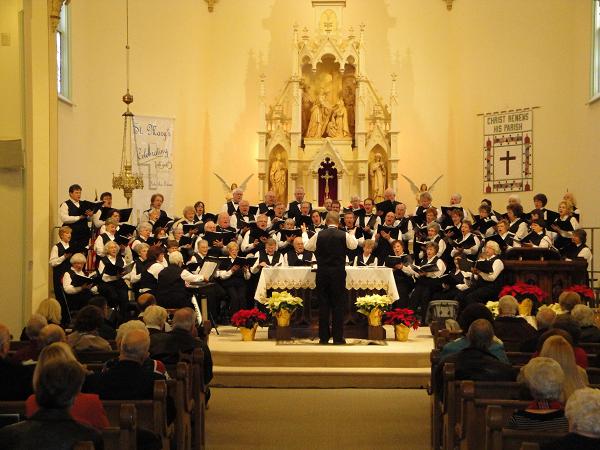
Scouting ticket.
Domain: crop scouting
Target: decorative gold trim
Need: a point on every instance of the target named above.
(448, 4)
(211, 4)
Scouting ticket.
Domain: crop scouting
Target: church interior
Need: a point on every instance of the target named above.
(403, 104)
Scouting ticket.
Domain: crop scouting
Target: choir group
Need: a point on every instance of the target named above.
(449, 252)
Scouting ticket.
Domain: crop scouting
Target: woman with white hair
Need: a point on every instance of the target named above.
(234, 279)
(583, 413)
(509, 327)
(112, 286)
(155, 318)
(545, 380)
(488, 277)
(584, 315)
(78, 287)
(144, 235)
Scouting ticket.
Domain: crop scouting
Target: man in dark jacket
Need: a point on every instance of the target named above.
(509, 328)
(16, 378)
(52, 427)
(330, 246)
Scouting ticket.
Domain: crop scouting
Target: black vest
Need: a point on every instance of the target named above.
(66, 264)
(515, 226)
(80, 229)
(294, 261)
(105, 238)
(572, 251)
(331, 249)
(534, 238)
(263, 208)
(231, 209)
(360, 260)
(171, 291)
(263, 257)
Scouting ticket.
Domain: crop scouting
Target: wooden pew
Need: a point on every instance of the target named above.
(530, 446)
(449, 407)
(199, 392)
(435, 403)
(500, 438)
(151, 414)
(179, 388)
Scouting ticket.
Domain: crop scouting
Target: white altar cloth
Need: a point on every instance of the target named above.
(304, 278)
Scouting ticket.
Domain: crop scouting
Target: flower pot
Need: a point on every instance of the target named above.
(525, 307)
(401, 332)
(375, 317)
(283, 317)
(248, 333)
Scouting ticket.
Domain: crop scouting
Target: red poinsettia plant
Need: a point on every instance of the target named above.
(248, 318)
(521, 290)
(582, 290)
(401, 316)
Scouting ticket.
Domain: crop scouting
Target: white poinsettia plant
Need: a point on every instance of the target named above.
(283, 300)
(368, 303)
(493, 307)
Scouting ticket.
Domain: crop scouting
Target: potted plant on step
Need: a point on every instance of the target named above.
(282, 305)
(403, 320)
(373, 306)
(247, 320)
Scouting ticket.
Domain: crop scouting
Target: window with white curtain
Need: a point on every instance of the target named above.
(596, 52)
(63, 54)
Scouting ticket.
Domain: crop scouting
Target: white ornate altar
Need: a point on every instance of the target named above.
(328, 108)
(369, 278)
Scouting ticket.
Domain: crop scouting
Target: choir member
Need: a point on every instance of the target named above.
(402, 276)
(160, 237)
(316, 224)
(425, 200)
(77, 294)
(304, 216)
(468, 243)
(106, 199)
(268, 257)
(112, 286)
(384, 239)
(564, 225)
(184, 244)
(233, 279)
(218, 246)
(514, 199)
(59, 259)
(189, 218)
(485, 221)
(516, 224)
(268, 205)
(454, 283)
(427, 283)
(365, 256)
(327, 205)
(433, 235)
(570, 197)
(578, 247)
(404, 224)
(285, 242)
(350, 227)
(357, 209)
(452, 231)
(537, 238)
(254, 241)
(368, 221)
(242, 217)
(110, 227)
(503, 237)
(154, 212)
(171, 291)
(72, 215)
(278, 217)
(486, 284)
(389, 195)
(200, 254)
(293, 209)
(141, 251)
(153, 264)
(232, 205)
(144, 235)
(299, 256)
(113, 214)
(336, 206)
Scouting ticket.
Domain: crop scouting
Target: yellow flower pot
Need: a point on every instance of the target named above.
(283, 317)
(401, 332)
(248, 333)
(375, 317)
(525, 307)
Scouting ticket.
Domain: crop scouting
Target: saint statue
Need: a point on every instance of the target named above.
(377, 174)
(278, 178)
(338, 125)
(319, 116)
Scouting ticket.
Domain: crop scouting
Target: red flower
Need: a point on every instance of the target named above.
(248, 317)
(522, 289)
(401, 316)
(582, 290)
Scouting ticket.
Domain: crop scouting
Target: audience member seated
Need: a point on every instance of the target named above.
(87, 408)
(56, 386)
(545, 380)
(85, 335)
(469, 315)
(50, 334)
(50, 309)
(171, 291)
(584, 316)
(150, 364)
(476, 362)
(559, 349)
(511, 329)
(544, 318)
(582, 411)
(107, 329)
(31, 350)
(568, 299)
(566, 323)
(181, 339)
(143, 302)
(155, 318)
(16, 378)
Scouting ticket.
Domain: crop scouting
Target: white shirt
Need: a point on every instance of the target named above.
(497, 268)
(56, 260)
(64, 213)
(468, 251)
(69, 288)
(99, 244)
(351, 241)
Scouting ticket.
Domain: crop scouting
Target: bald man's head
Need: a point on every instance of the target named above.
(50, 334)
(184, 318)
(135, 346)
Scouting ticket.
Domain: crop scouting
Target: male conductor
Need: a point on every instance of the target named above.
(329, 246)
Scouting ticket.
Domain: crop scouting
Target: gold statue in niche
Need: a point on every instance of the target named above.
(328, 22)
(377, 176)
(278, 176)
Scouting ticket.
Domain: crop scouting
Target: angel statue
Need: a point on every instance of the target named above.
(423, 188)
(229, 188)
